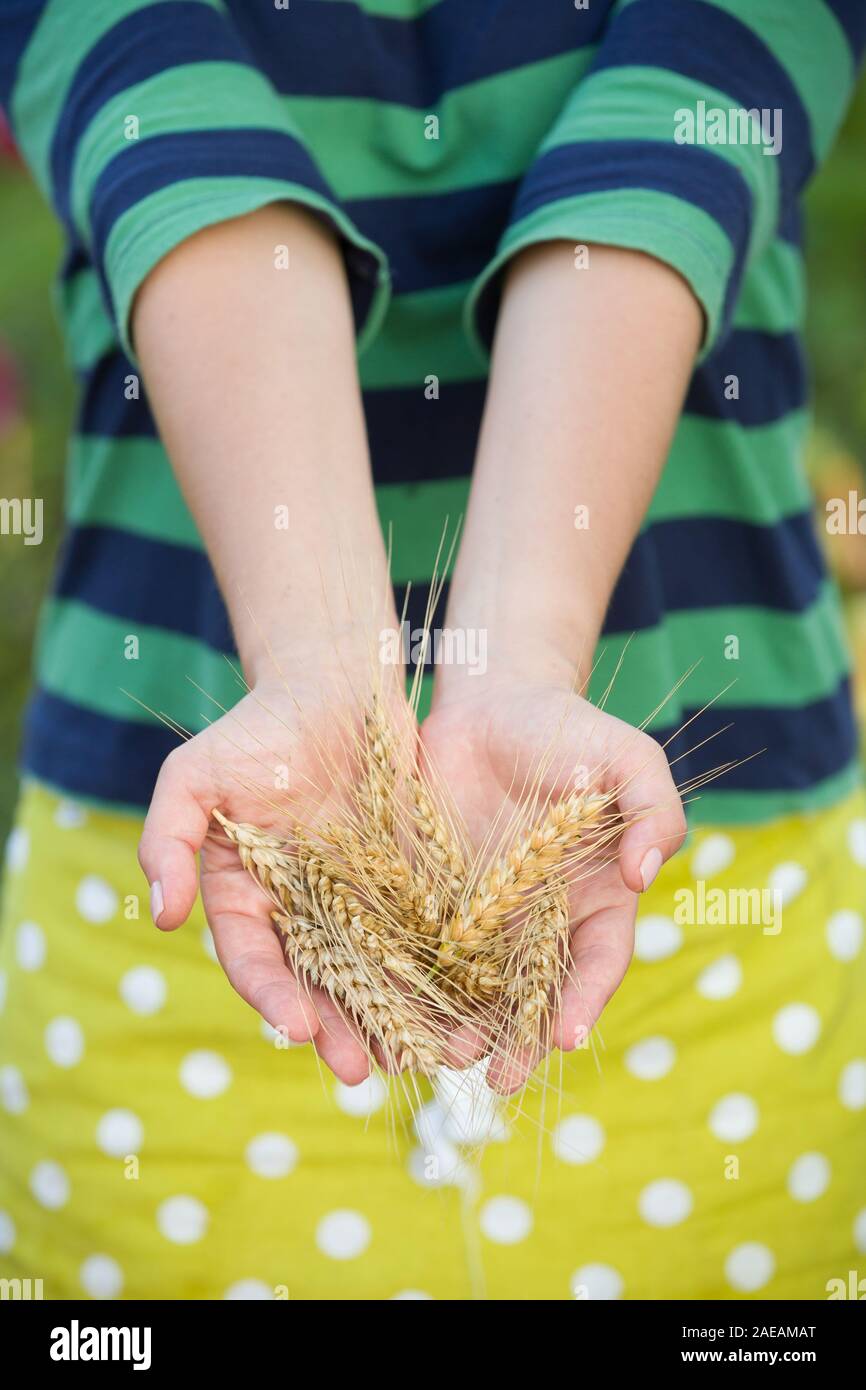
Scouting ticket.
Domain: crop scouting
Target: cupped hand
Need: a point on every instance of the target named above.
(274, 755)
(487, 737)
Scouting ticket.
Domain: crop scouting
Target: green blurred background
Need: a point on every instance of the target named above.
(36, 398)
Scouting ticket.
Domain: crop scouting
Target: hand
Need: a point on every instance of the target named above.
(486, 737)
(233, 765)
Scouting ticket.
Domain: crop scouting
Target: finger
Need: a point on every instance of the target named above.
(506, 1074)
(467, 1044)
(253, 960)
(174, 831)
(338, 1043)
(648, 798)
(601, 949)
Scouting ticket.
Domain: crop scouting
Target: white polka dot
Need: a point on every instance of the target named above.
(17, 849)
(411, 1295)
(13, 1090)
(852, 1085)
(343, 1235)
(101, 1277)
(788, 880)
(7, 1233)
(279, 1037)
(472, 1114)
(721, 979)
(650, 1059)
(857, 842)
(182, 1220)
(120, 1133)
(204, 1074)
(143, 989)
(578, 1139)
(860, 1231)
(597, 1283)
(248, 1291)
(30, 946)
(3, 990)
(845, 935)
(505, 1220)
(437, 1162)
(734, 1118)
(796, 1028)
(69, 815)
(712, 856)
(809, 1177)
(656, 938)
(64, 1041)
(665, 1202)
(49, 1185)
(95, 899)
(271, 1155)
(749, 1267)
(364, 1099)
(208, 946)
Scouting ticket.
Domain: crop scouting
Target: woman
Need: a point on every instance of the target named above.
(237, 182)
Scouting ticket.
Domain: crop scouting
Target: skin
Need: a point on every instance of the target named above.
(588, 375)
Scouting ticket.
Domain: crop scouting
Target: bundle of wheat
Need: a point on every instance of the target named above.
(415, 935)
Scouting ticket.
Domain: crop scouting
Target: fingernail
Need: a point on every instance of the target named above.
(157, 901)
(650, 865)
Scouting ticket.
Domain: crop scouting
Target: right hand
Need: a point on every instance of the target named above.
(240, 764)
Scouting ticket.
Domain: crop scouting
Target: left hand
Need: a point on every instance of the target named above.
(486, 737)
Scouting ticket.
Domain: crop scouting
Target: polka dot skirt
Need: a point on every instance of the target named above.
(160, 1141)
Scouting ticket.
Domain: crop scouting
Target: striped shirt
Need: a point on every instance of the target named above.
(439, 137)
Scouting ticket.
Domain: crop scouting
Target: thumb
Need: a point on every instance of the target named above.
(649, 800)
(174, 831)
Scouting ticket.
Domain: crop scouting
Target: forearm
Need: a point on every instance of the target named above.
(588, 376)
(250, 371)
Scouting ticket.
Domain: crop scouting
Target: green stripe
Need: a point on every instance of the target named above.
(196, 96)
(390, 9)
(785, 660)
(390, 155)
(62, 38)
(417, 514)
(715, 806)
(639, 219)
(153, 226)
(719, 468)
(88, 331)
(422, 334)
(772, 297)
(810, 44)
(69, 628)
(127, 483)
(640, 104)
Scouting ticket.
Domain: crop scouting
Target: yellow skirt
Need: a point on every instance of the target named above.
(157, 1141)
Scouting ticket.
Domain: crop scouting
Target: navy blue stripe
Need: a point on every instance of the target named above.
(803, 747)
(139, 46)
(413, 439)
(149, 165)
(689, 172)
(770, 369)
(674, 566)
(712, 562)
(851, 15)
(710, 46)
(144, 581)
(326, 49)
(437, 239)
(18, 19)
(797, 748)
